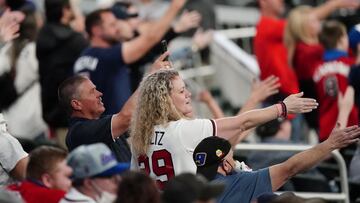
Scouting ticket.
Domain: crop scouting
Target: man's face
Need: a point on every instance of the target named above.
(90, 99)
(60, 176)
(275, 7)
(110, 31)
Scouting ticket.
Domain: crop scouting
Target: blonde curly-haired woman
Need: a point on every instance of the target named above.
(163, 134)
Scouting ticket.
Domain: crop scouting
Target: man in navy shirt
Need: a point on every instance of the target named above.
(105, 61)
(83, 102)
(214, 159)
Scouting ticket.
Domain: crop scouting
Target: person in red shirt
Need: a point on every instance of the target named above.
(331, 77)
(269, 44)
(48, 176)
(269, 47)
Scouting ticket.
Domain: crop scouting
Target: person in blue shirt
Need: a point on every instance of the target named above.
(106, 60)
(213, 157)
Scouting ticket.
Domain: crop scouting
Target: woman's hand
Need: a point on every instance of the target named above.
(296, 104)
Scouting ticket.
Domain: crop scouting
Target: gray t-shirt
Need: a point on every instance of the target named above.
(11, 152)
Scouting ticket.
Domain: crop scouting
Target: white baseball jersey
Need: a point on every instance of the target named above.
(171, 149)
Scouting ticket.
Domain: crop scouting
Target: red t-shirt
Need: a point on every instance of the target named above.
(331, 78)
(35, 193)
(306, 58)
(271, 54)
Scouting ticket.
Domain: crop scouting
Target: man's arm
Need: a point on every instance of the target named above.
(305, 160)
(136, 48)
(345, 105)
(324, 10)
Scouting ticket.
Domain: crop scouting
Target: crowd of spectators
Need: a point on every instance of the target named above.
(93, 111)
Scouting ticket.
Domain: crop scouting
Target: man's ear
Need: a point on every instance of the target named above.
(47, 180)
(76, 104)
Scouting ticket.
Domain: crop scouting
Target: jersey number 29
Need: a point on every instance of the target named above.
(161, 165)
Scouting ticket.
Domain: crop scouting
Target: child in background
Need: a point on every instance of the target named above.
(331, 77)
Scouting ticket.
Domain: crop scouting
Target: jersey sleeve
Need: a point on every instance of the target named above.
(193, 131)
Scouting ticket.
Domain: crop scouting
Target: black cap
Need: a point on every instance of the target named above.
(208, 154)
(187, 188)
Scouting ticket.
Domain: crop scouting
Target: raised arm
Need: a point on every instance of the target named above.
(345, 105)
(138, 47)
(261, 90)
(206, 97)
(305, 160)
(233, 126)
(324, 10)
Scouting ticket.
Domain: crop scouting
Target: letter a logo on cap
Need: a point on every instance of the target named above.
(200, 159)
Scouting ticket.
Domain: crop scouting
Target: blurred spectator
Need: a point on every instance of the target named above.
(206, 8)
(9, 25)
(331, 77)
(354, 75)
(277, 132)
(269, 45)
(214, 159)
(131, 26)
(96, 174)
(304, 50)
(57, 48)
(270, 49)
(19, 61)
(260, 90)
(106, 60)
(190, 188)
(48, 176)
(13, 159)
(137, 187)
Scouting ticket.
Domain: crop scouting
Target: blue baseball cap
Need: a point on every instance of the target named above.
(95, 160)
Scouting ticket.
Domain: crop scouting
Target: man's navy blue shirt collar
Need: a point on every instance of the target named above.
(333, 54)
(74, 120)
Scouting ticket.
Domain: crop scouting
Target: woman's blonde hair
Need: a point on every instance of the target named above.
(154, 107)
(295, 30)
